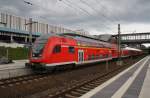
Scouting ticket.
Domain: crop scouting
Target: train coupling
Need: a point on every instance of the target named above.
(28, 65)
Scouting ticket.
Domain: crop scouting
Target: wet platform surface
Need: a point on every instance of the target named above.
(133, 82)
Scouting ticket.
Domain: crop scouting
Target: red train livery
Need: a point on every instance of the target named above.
(50, 51)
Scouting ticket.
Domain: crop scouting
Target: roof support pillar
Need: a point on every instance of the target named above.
(11, 38)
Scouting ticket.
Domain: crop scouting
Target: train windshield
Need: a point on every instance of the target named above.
(38, 47)
(39, 44)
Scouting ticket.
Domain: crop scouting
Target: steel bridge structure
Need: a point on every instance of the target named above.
(135, 39)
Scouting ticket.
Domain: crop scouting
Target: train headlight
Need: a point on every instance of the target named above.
(40, 55)
(33, 55)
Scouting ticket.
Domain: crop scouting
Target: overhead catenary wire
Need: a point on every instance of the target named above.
(39, 6)
(104, 8)
(45, 18)
(112, 21)
(104, 16)
(87, 13)
(107, 20)
(83, 10)
(75, 7)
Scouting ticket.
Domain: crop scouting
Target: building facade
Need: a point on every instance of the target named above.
(19, 23)
(15, 29)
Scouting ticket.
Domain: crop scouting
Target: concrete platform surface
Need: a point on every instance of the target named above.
(14, 65)
(133, 82)
(14, 69)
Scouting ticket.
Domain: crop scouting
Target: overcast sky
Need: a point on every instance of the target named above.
(94, 16)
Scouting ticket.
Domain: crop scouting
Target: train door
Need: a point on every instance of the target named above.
(80, 55)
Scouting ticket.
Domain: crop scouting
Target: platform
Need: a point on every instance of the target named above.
(133, 82)
(14, 65)
(14, 69)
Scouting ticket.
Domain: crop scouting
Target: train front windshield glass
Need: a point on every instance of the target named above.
(38, 47)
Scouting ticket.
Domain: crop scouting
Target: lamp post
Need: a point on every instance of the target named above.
(30, 26)
(119, 50)
(119, 62)
(30, 31)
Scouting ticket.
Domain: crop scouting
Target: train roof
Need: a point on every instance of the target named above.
(82, 39)
(104, 38)
(87, 40)
(82, 36)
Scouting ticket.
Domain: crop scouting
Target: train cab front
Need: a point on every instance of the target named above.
(37, 55)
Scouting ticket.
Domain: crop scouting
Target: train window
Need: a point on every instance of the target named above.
(71, 50)
(100, 56)
(106, 55)
(110, 55)
(57, 49)
(93, 57)
(89, 57)
(97, 56)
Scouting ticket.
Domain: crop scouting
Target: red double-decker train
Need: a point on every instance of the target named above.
(52, 51)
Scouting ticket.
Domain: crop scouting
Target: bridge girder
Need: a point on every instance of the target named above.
(135, 38)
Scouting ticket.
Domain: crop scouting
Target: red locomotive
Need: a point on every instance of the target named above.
(51, 51)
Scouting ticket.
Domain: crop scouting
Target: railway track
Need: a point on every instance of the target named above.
(21, 80)
(86, 85)
(65, 84)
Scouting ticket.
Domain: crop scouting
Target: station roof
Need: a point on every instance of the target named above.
(129, 48)
(4, 29)
(104, 37)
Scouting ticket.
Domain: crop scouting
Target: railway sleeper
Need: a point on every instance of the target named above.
(85, 88)
(95, 83)
(69, 96)
(73, 94)
(88, 86)
(19, 79)
(76, 93)
(7, 81)
(36, 80)
(17, 83)
(10, 85)
(24, 82)
(30, 80)
(14, 80)
(80, 90)
(91, 84)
